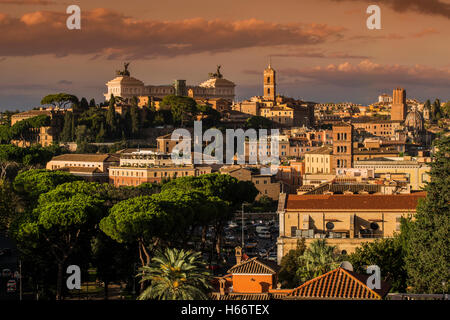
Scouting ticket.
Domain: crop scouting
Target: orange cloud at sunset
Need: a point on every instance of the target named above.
(432, 7)
(115, 35)
(367, 73)
(321, 49)
(425, 32)
(28, 2)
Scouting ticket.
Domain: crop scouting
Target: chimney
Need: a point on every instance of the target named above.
(222, 283)
(238, 251)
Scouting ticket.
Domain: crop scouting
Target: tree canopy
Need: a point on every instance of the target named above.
(31, 184)
(219, 185)
(388, 254)
(428, 243)
(182, 108)
(63, 217)
(61, 100)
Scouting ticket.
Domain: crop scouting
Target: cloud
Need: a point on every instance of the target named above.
(389, 36)
(425, 32)
(113, 35)
(65, 82)
(319, 54)
(28, 2)
(368, 73)
(429, 7)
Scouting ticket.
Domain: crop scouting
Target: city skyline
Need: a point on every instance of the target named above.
(322, 50)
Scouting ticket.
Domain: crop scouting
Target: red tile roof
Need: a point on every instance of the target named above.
(89, 157)
(339, 284)
(354, 202)
(254, 266)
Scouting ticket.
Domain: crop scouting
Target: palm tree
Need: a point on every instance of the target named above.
(175, 275)
(318, 259)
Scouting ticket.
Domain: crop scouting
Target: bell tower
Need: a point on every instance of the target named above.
(270, 86)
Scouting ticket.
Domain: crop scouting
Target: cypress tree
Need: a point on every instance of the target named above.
(66, 134)
(101, 134)
(135, 121)
(84, 105)
(111, 121)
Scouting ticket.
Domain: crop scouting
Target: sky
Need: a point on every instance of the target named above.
(322, 50)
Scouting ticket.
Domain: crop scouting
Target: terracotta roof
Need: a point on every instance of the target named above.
(31, 113)
(86, 157)
(253, 266)
(82, 169)
(339, 284)
(241, 296)
(342, 124)
(321, 150)
(354, 202)
(273, 294)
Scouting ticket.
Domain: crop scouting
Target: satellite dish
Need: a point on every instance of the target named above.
(346, 265)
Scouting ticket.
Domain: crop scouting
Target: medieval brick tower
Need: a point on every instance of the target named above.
(398, 109)
(342, 145)
(270, 86)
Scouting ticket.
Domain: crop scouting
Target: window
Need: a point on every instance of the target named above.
(293, 231)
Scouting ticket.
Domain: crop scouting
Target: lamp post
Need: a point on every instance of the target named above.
(242, 227)
(20, 280)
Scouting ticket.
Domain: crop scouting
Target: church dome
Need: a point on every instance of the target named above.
(414, 120)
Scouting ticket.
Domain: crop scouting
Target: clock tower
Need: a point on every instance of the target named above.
(269, 84)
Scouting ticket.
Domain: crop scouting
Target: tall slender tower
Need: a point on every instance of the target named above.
(342, 145)
(398, 109)
(270, 86)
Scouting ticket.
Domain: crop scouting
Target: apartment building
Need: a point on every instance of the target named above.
(319, 160)
(91, 167)
(407, 169)
(345, 220)
(134, 176)
(44, 136)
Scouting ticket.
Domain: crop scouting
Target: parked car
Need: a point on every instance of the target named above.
(11, 286)
(260, 229)
(230, 237)
(272, 256)
(6, 273)
(262, 252)
(232, 224)
(264, 235)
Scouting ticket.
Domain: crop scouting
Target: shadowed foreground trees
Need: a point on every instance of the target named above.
(290, 263)
(63, 217)
(388, 254)
(161, 218)
(428, 243)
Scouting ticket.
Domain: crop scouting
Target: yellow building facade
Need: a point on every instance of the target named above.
(319, 161)
(415, 173)
(345, 221)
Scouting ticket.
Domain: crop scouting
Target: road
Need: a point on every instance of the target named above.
(8, 262)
